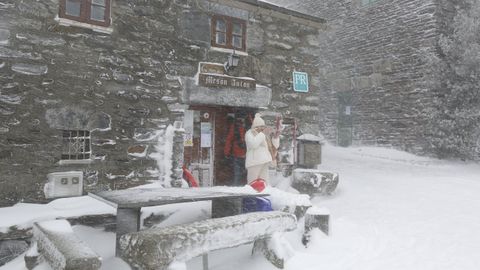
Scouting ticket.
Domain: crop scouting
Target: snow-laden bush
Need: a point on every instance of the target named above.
(454, 128)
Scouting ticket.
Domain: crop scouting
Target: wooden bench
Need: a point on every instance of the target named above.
(157, 248)
(58, 244)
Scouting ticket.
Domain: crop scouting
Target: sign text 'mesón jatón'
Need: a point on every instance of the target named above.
(214, 80)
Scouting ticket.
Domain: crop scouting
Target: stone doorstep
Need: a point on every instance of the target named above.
(157, 248)
(62, 249)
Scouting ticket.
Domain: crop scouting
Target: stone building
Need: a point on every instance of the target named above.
(106, 94)
(374, 82)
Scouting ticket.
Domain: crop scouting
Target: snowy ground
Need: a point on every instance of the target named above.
(392, 210)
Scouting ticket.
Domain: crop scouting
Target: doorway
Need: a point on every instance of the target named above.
(206, 130)
(345, 119)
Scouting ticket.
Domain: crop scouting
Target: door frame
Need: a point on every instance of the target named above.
(219, 129)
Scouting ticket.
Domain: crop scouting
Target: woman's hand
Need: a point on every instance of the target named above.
(267, 131)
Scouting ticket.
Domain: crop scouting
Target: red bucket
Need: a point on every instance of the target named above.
(258, 184)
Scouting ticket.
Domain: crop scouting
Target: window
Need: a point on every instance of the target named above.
(76, 145)
(95, 12)
(228, 32)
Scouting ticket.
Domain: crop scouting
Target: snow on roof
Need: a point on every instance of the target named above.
(303, 11)
(309, 7)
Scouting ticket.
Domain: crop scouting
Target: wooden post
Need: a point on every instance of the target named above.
(205, 261)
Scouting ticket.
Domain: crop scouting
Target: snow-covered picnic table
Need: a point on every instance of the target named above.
(225, 202)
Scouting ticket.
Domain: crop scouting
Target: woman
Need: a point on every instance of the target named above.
(258, 157)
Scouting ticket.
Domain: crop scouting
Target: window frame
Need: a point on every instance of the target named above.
(85, 13)
(229, 21)
(87, 141)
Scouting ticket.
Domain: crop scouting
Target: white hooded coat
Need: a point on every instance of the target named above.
(257, 148)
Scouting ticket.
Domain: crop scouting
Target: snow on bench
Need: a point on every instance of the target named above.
(58, 244)
(157, 248)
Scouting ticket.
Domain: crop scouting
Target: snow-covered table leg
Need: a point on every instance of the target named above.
(276, 249)
(128, 220)
(316, 218)
(226, 207)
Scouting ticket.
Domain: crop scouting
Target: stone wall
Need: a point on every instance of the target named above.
(374, 57)
(124, 87)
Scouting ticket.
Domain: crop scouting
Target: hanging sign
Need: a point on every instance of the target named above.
(300, 82)
(212, 68)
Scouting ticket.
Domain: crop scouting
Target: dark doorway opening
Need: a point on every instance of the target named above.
(205, 156)
(345, 119)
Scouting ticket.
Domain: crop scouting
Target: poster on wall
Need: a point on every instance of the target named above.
(205, 135)
(187, 139)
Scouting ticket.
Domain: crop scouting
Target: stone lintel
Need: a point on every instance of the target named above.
(194, 94)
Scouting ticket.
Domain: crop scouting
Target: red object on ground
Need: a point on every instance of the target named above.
(188, 176)
(258, 184)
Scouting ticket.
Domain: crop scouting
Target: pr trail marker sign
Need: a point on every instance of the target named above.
(300, 82)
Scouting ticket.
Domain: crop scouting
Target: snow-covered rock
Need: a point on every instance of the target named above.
(310, 181)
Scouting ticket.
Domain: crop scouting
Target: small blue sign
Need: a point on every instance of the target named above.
(300, 81)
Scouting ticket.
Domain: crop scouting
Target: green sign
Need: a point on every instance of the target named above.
(300, 81)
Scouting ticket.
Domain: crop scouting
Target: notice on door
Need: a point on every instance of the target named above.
(188, 126)
(205, 134)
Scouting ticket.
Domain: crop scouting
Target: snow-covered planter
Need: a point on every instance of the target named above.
(311, 182)
(157, 248)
